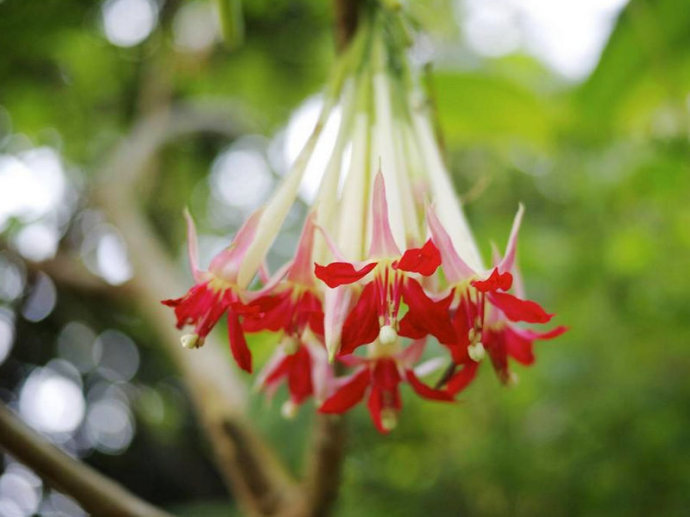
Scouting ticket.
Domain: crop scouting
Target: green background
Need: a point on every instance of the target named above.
(600, 425)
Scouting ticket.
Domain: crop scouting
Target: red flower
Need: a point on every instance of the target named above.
(376, 307)
(305, 368)
(381, 376)
(473, 333)
(290, 304)
(215, 293)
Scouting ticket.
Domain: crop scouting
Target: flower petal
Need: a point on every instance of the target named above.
(494, 282)
(518, 347)
(426, 314)
(424, 260)
(341, 273)
(426, 391)
(508, 262)
(274, 363)
(382, 241)
(279, 370)
(227, 263)
(455, 268)
(375, 405)
(238, 344)
(362, 324)
(301, 270)
(299, 380)
(532, 334)
(321, 372)
(516, 309)
(192, 246)
(460, 380)
(349, 393)
(271, 312)
(386, 375)
(337, 304)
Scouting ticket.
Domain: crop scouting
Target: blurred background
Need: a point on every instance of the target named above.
(578, 108)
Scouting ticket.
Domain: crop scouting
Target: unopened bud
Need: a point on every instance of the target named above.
(387, 335)
(191, 341)
(476, 351)
(289, 409)
(389, 419)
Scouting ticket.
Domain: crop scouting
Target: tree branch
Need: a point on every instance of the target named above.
(324, 466)
(98, 494)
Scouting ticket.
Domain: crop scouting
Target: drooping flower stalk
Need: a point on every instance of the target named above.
(386, 261)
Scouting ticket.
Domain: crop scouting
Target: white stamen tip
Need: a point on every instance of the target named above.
(389, 419)
(387, 335)
(476, 351)
(191, 341)
(289, 410)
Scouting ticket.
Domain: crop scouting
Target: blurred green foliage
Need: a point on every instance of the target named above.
(601, 424)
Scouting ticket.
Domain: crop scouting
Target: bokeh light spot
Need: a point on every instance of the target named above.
(116, 355)
(128, 22)
(51, 402)
(41, 300)
(241, 177)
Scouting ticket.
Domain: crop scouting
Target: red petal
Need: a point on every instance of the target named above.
(518, 347)
(427, 314)
(463, 378)
(424, 260)
(386, 375)
(516, 309)
(279, 371)
(495, 344)
(518, 342)
(194, 305)
(375, 405)
(271, 312)
(217, 306)
(238, 345)
(299, 381)
(341, 273)
(362, 324)
(531, 334)
(495, 282)
(348, 395)
(410, 327)
(425, 391)
(309, 312)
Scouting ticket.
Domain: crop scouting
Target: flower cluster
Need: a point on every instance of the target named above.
(386, 270)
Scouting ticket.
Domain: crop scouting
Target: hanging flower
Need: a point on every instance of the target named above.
(391, 281)
(381, 375)
(386, 260)
(290, 304)
(215, 293)
(473, 333)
